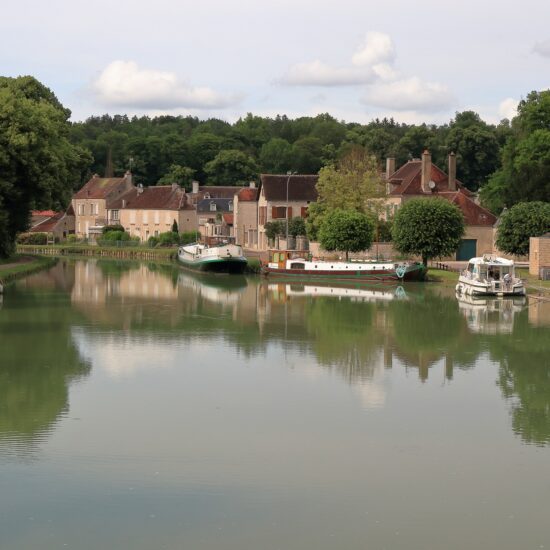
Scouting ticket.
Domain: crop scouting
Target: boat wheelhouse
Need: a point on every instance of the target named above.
(284, 264)
(222, 258)
(490, 276)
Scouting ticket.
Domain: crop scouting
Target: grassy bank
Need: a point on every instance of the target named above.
(129, 252)
(442, 276)
(21, 265)
(533, 284)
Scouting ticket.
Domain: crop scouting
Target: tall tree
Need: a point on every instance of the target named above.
(38, 164)
(231, 167)
(430, 228)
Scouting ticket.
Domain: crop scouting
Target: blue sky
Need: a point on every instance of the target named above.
(416, 61)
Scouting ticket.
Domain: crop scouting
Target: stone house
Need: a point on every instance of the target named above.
(282, 197)
(212, 216)
(93, 204)
(245, 206)
(421, 178)
(150, 211)
(539, 255)
(58, 224)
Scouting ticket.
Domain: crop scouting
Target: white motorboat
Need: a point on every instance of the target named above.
(490, 276)
(226, 258)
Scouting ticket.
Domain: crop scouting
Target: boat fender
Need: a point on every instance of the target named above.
(400, 271)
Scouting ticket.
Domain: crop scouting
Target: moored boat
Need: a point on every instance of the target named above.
(490, 276)
(222, 258)
(283, 264)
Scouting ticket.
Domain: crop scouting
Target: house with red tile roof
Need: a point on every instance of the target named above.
(149, 211)
(245, 216)
(58, 224)
(421, 178)
(94, 203)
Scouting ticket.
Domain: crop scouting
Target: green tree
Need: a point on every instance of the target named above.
(38, 164)
(296, 226)
(429, 228)
(182, 175)
(476, 146)
(523, 220)
(316, 213)
(274, 229)
(346, 230)
(306, 155)
(231, 167)
(276, 156)
(175, 227)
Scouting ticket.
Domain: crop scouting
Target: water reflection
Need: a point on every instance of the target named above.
(39, 360)
(122, 312)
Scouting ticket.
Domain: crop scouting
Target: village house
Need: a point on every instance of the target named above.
(150, 211)
(421, 178)
(93, 205)
(281, 197)
(215, 218)
(245, 211)
(59, 225)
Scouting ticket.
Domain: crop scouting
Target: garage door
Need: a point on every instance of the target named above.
(467, 249)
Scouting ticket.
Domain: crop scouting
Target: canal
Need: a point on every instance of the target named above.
(145, 407)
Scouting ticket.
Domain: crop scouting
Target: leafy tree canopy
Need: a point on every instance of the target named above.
(346, 230)
(182, 175)
(522, 221)
(429, 228)
(231, 167)
(296, 226)
(38, 163)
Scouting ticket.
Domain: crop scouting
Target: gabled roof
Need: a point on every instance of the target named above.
(408, 180)
(248, 194)
(228, 219)
(474, 214)
(98, 188)
(300, 187)
(218, 191)
(160, 197)
(48, 224)
(222, 205)
(42, 213)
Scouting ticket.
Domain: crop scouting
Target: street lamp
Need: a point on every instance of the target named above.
(289, 174)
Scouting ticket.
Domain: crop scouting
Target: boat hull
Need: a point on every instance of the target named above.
(217, 265)
(415, 272)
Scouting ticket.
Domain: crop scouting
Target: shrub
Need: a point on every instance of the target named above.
(189, 237)
(109, 228)
(32, 238)
(168, 239)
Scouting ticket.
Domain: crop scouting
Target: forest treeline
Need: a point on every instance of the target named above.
(507, 162)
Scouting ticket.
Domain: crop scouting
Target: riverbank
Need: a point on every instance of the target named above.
(21, 265)
(120, 253)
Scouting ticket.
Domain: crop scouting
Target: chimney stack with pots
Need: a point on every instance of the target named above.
(390, 167)
(426, 172)
(195, 185)
(452, 172)
(252, 185)
(128, 178)
(140, 188)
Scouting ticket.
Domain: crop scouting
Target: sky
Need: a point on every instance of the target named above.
(417, 61)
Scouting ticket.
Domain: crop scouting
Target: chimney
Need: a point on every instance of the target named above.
(140, 188)
(195, 187)
(175, 186)
(252, 185)
(390, 167)
(128, 178)
(452, 172)
(426, 172)
(123, 203)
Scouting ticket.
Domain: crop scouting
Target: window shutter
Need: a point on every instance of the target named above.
(289, 212)
(303, 212)
(274, 212)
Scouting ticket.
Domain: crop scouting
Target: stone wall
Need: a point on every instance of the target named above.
(539, 254)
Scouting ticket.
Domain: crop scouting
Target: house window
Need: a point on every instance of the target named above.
(114, 215)
(80, 209)
(212, 207)
(157, 216)
(132, 216)
(230, 207)
(145, 216)
(278, 212)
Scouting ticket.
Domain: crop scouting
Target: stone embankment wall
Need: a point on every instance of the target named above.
(95, 251)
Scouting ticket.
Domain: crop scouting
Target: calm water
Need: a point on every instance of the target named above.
(144, 408)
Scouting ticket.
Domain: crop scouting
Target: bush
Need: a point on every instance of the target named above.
(32, 238)
(168, 239)
(189, 237)
(296, 227)
(153, 241)
(109, 228)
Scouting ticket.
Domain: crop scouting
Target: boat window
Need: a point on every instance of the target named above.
(297, 265)
(315, 266)
(471, 267)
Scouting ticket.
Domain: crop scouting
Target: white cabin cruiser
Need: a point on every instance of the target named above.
(490, 276)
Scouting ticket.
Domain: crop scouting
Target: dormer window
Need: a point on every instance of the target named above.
(212, 207)
(230, 207)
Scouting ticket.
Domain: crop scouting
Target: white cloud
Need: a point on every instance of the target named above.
(410, 94)
(542, 48)
(125, 84)
(368, 64)
(317, 73)
(377, 48)
(508, 108)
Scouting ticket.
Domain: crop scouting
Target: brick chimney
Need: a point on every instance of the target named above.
(452, 172)
(195, 186)
(128, 178)
(140, 188)
(426, 171)
(390, 167)
(252, 185)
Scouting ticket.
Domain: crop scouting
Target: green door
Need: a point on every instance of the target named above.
(466, 250)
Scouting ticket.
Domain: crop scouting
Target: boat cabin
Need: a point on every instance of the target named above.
(490, 268)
